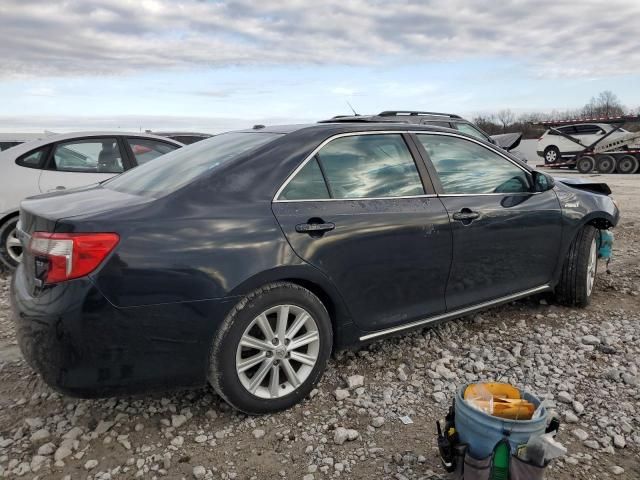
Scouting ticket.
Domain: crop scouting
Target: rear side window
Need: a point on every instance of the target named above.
(95, 155)
(588, 129)
(145, 149)
(180, 167)
(308, 184)
(358, 166)
(33, 159)
(465, 167)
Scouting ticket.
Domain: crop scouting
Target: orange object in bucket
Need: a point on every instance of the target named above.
(500, 400)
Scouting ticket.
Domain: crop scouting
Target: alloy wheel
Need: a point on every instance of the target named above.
(277, 351)
(592, 267)
(13, 246)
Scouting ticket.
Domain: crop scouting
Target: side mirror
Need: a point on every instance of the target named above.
(542, 182)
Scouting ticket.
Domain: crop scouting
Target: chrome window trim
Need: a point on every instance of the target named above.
(386, 132)
(457, 313)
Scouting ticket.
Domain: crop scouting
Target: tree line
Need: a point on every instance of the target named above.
(605, 104)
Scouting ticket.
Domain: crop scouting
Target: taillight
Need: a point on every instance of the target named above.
(71, 255)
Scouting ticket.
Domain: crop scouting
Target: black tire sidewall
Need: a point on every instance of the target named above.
(223, 358)
(634, 161)
(5, 228)
(584, 161)
(603, 158)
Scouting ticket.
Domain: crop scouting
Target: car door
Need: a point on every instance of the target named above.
(80, 162)
(143, 150)
(506, 238)
(358, 211)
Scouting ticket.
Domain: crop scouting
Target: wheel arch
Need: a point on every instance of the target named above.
(9, 215)
(313, 280)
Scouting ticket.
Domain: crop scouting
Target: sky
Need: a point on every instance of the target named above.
(218, 65)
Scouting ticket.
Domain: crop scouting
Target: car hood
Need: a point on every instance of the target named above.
(586, 185)
(507, 141)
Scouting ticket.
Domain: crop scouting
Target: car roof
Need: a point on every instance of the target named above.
(181, 134)
(32, 145)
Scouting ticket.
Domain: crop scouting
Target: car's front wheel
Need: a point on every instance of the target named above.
(551, 154)
(579, 270)
(10, 246)
(271, 349)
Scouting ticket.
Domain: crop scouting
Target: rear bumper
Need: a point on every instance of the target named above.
(84, 346)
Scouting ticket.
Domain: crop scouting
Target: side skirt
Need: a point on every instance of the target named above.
(457, 313)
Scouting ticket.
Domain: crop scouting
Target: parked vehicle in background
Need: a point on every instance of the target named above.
(246, 259)
(183, 137)
(508, 141)
(9, 140)
(605, 146)
(552, 146)
(64, 161)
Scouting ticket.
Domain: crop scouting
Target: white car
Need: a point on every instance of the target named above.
(552, 146)
(65, 161)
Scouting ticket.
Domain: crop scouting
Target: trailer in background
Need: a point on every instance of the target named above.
(606, 155)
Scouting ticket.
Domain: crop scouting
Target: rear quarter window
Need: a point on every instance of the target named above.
(176, 169)
(34, 158)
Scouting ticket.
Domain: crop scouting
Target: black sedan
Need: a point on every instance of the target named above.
(245, 259)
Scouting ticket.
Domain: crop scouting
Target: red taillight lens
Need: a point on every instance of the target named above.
(71, 255)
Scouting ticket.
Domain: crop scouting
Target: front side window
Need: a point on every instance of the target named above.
(145, 149)
(465, 167)
(369, 166)
(469, 130)
(95, 155)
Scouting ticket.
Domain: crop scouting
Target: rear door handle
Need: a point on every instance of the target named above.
(465, 215)
(315, 227)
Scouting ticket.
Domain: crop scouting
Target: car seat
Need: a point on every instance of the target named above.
(109, 159)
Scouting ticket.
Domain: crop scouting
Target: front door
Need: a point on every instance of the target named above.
(358, 211)
(506, 238)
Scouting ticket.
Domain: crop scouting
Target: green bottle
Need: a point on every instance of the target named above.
(500, 461)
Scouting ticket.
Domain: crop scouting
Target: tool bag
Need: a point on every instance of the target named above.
(469, 468)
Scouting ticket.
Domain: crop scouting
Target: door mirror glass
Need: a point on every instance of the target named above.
(542, 182)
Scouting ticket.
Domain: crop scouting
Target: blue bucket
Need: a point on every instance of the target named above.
(482, 431)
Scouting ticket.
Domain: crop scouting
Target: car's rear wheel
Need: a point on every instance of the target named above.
(586, 164)
(271, 349)
(606, 164)
(579, 270)
(10, 246)
(551, 154)
(628, 164)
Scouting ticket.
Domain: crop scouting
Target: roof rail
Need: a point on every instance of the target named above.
(571, 121)
(394, 113)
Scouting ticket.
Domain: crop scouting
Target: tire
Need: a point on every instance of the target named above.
(10, 247)
(551, 154)
(244, 389)
(586, 164)
(606, 164)
(579, 270)
(628, 164)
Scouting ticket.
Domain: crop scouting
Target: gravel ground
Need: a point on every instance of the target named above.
(584, 362)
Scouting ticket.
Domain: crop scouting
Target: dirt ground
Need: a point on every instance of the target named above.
(585, 363)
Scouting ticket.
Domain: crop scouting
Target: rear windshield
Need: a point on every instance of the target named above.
(169, 172)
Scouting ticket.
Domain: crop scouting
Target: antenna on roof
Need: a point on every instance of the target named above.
(352, 109)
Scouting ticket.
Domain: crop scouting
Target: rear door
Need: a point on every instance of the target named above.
(506, 238)
(361, 211)
(80, 162)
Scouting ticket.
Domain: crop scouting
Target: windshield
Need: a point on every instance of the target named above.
(169, 172)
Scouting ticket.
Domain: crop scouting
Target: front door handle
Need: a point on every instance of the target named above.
(315, 227)
(466, 216)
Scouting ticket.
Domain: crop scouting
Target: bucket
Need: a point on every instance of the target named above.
(481, 431)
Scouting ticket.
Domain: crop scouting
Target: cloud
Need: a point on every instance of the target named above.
(113, 37)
